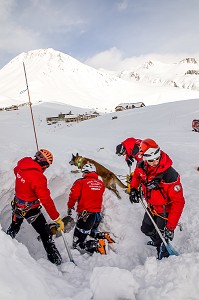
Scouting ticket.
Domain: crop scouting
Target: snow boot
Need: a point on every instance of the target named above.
(13, 229)
(53, 253)
(152, 243)
(104, 235)
(101, 246)
(162, 251)
(92, 246)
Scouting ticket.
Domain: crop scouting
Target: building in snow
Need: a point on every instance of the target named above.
(69, 118)
(124, 106)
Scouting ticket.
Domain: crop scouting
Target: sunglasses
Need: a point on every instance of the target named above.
(152, 160)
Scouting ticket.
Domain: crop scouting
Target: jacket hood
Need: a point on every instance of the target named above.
(28, 163)
(91, 175)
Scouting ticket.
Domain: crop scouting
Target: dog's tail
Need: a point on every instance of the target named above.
(121, 184)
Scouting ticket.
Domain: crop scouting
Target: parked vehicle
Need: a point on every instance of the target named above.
(195, 125)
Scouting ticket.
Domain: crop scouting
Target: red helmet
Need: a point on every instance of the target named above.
(149, 149)
(44, 155)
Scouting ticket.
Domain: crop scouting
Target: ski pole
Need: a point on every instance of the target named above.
(67, 248)
(169, 248)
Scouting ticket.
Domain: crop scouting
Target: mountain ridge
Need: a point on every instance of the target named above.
(183, 74)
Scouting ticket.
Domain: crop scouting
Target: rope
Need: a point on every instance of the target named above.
(154, 212)
(30, 104)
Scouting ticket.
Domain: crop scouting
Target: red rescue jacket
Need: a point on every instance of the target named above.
(88, 192)
(168, 197)
(132, 148)
(31, 184)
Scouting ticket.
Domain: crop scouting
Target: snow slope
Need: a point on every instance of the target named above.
(130, 269)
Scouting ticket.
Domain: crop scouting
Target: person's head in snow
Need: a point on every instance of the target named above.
(31, 192)
(160, 184)
(130, 149)
(87, 192)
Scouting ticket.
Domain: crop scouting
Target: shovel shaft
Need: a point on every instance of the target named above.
(67, 248)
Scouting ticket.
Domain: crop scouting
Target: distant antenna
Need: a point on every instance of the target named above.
(30, 104)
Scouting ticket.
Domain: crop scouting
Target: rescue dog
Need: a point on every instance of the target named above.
(109, 178)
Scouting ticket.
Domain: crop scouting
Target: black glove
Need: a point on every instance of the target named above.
(129, 161)
(134, 196)
(168, 234)
(153, 184)
(69, 212)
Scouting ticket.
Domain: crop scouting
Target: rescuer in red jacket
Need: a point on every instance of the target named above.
(129, 148)
(88, 193)
(162, 190)
(31, 192)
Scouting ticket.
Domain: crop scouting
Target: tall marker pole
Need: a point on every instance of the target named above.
(30, 104)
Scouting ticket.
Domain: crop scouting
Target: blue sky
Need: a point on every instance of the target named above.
(112, 34)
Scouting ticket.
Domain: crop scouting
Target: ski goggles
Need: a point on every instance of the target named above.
(152, 160)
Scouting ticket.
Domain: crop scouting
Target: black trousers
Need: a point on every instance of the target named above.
(85, 226)
(148, 228)
(36, 219)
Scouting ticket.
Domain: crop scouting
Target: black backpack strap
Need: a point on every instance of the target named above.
(140, 164)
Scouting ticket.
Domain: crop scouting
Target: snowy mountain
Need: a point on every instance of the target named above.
(184, 74)
(130, 269)
(57, 77)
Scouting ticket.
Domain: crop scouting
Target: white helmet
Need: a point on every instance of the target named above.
(151, 154)
(149, 149)
(87, 168)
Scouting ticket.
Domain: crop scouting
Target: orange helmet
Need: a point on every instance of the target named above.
(44, 155)
(149, 149)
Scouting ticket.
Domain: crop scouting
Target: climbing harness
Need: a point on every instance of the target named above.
(21, 207)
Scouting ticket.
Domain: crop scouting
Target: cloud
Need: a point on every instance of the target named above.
(14, 37)
(57, 17)
(114, 60)
(105, 59)
(28, 25)
(122, 5)
(108, 34)
(33, 23)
